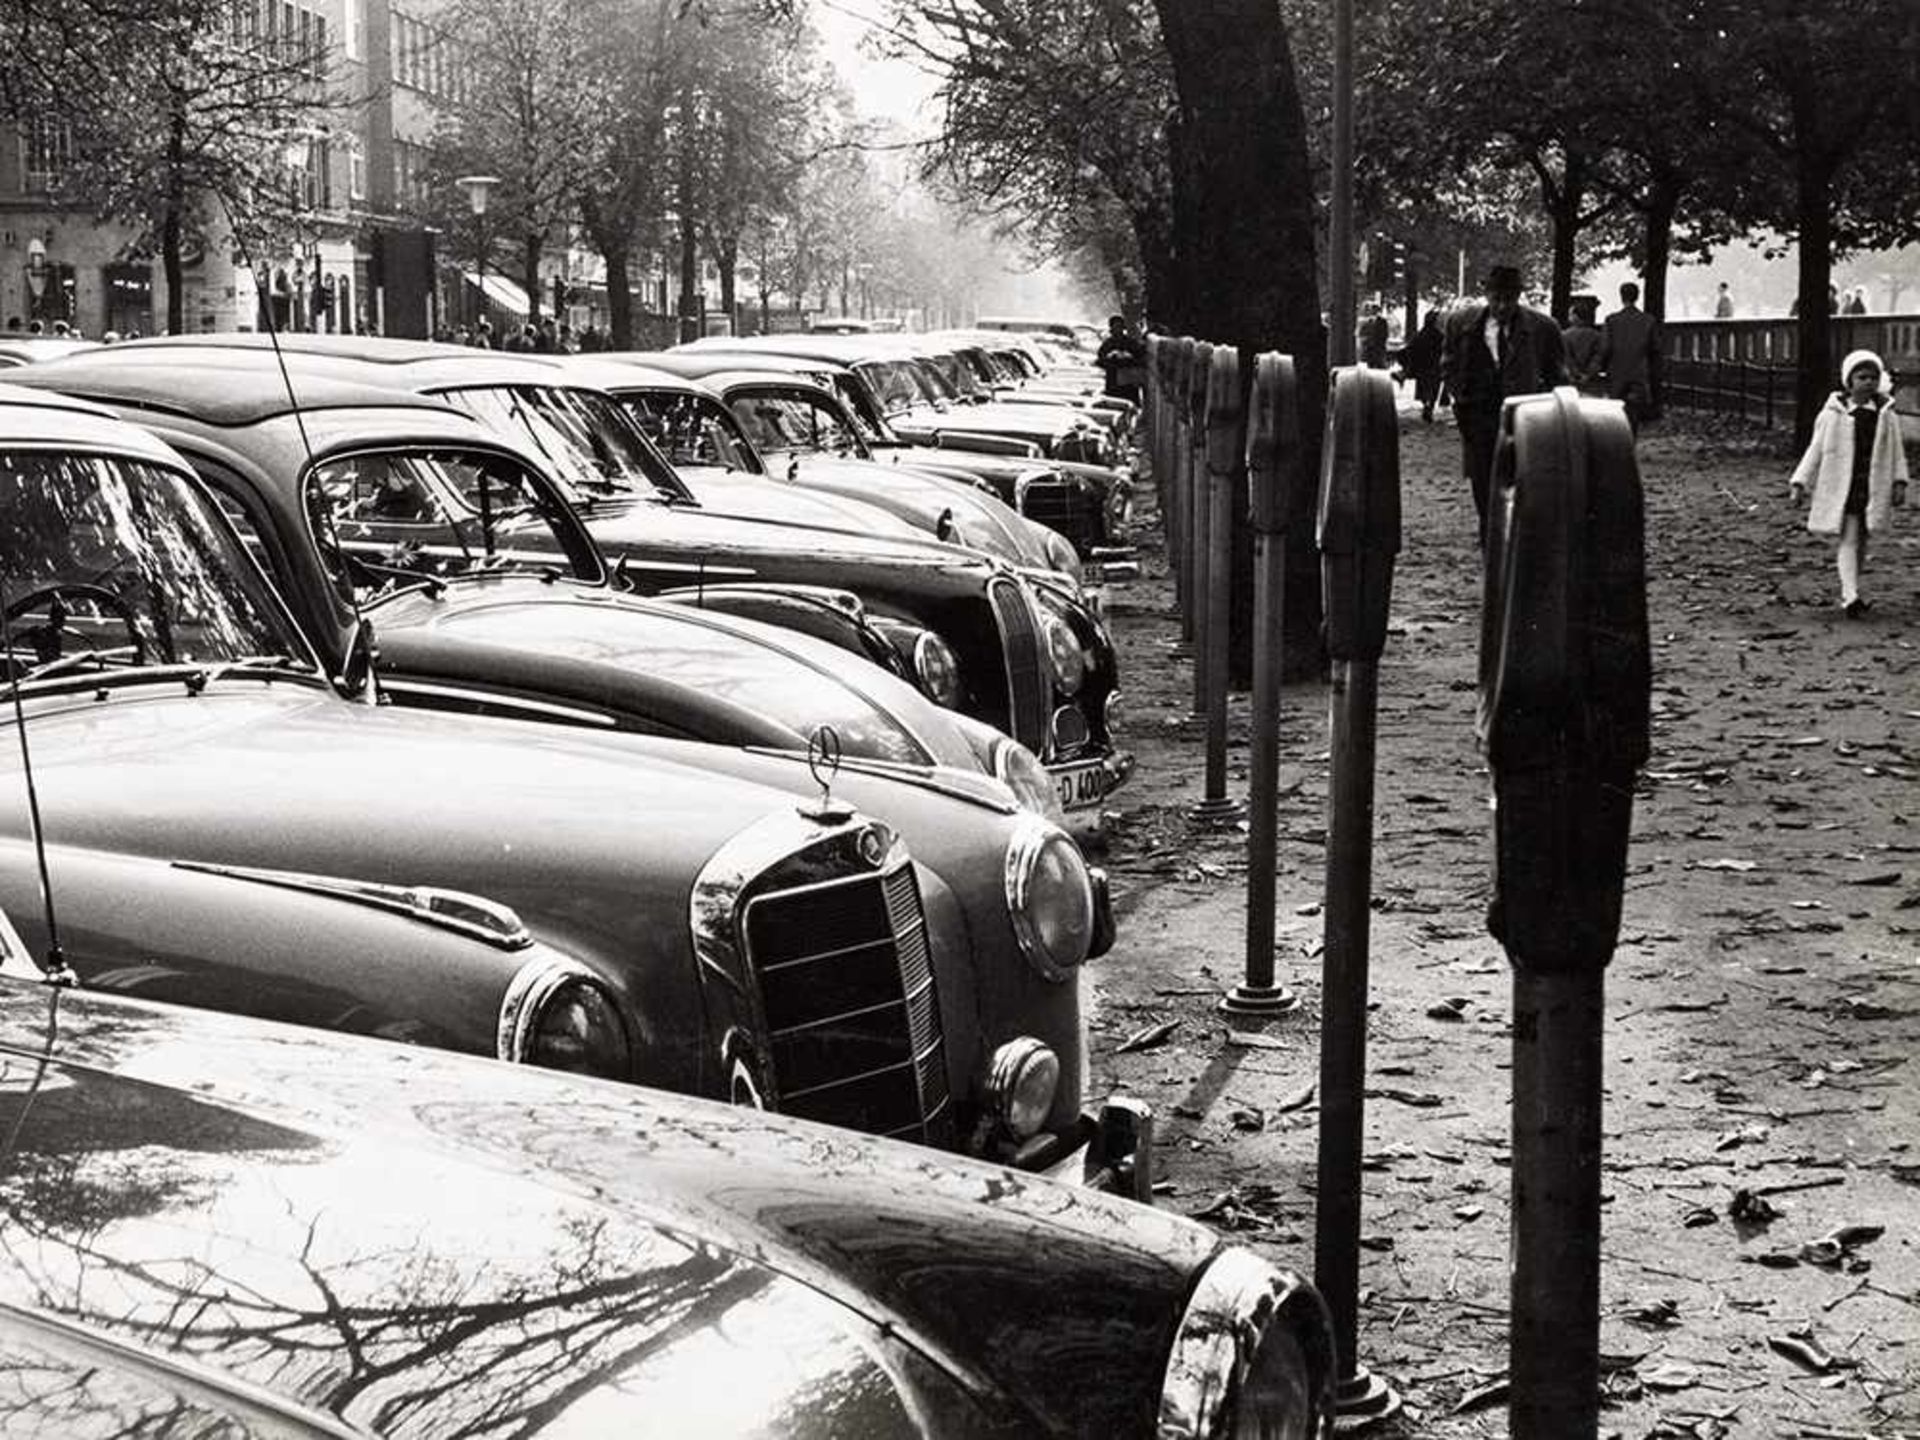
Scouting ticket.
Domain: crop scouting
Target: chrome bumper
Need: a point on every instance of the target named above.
(1117, 1156)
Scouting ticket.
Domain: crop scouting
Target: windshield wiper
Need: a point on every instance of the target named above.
(62, 663)
(204, 675)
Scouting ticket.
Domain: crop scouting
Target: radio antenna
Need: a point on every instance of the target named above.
(57, 972)
(299, 418)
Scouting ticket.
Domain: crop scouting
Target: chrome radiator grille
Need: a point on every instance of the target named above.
(853, 1023)
(1060, 505)
(1027, 687)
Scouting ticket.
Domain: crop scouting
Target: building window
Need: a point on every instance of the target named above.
(354, 40)
(46, 149)
(356, 170)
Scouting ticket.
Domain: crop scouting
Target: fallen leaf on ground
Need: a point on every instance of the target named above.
(1419, 1099)
(1298, 1100)
(1147, 1038)
(1884, 877)
(1806, 1351)
(1725, 864)
(1249, 1118)
(1494, 1392)
(1674, 1375)
(1451, 1008)
(1254, 1040)
(1745, 1135)
(1749, 1209)
(1658, 1314)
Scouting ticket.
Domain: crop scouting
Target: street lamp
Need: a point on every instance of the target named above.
(479, 189)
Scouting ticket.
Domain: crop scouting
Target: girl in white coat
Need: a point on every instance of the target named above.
(1856, 468)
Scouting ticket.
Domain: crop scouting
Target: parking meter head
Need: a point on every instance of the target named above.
(1273, 440)
(1225, 436)
(1359, 512)
(1565, 675)
(1197, 376)
(1179, 367)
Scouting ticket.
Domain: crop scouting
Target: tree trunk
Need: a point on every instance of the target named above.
(726, 258)
(530, 248)
(1563, 202)
(1244, 236)
(619, 296)
(170, 223)
(1663, 203)
(689, 306)
(1813, 215)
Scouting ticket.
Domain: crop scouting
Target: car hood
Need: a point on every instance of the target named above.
(591, 642)
(985, 523)
(567, 827)
(719, 544)
(995, 418)
(416, 1243)
(760, 497)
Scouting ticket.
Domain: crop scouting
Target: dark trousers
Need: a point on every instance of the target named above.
(1479, 430)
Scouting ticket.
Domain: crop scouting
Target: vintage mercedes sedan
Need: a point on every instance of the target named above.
(980, 637)
(225, 1227)
(710, 934)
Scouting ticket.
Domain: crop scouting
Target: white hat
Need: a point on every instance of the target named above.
(1855, 360)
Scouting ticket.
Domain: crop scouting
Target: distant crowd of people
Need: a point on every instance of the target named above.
(546, 336)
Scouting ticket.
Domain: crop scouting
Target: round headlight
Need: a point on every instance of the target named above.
(1021, 1080)
(1253, 1356)
(1115, 714)
(1020, 770)
(1069, 659)
(557, 1016)
(937, 669)
(1060, 553)
(1049, 897)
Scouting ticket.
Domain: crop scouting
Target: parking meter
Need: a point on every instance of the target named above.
(1272, 455)
(1359, 518)
(1273, 441)
(1225, 449)
(1565, 687)
(1565, 675)
(1194, 403)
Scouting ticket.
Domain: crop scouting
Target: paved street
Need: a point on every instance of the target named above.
(1764, 1006)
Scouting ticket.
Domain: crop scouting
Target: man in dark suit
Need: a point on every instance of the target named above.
(1629, 351)
(1496, 349)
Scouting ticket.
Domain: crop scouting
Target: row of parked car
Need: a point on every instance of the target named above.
(712, 725)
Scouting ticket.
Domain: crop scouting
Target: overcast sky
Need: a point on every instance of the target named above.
(886, 89)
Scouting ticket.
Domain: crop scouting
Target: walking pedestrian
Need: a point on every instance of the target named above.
(1582, 339)
(1723, 303)
(1123, 358)
(1629, 346)
(1421, 360)
(1856, 467)
(1373, 338)
(1492, 350)
(1856, 301)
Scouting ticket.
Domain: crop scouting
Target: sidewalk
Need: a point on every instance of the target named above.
(1764, 1005)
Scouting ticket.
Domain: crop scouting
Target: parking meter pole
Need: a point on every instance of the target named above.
(1557, 1084)
(1565, 684)
(1225, 448)
(1180, 514)
(1273, 446)
(1200, 515)
(1359, 535)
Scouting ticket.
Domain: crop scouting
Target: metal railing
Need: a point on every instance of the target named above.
(1746, 367)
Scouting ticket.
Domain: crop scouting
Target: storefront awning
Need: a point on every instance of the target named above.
(502, 292)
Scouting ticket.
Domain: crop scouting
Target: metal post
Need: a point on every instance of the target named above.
(1359, 535)
(1199, 516)
(1565, 688)
(1273, 448)
(1178, 454)
(1225, 448)
(1557, 1084)
(1340, 217)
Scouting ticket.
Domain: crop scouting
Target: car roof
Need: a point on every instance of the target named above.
(42, 418)
(249, 388)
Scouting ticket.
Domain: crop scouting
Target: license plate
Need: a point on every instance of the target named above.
(1080, 786)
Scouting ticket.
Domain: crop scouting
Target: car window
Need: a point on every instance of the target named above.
(120, 563)
(586, 439)
(776, 420)
(691, 429)
(386, 518)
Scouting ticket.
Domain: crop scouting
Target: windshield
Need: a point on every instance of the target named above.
(868, 420)
(691, 429)
(777, 421)
(109, 563)
(953, 371)
(899, 384)
(383, 520)
(590, 445)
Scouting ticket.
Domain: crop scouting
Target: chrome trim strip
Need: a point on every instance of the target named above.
(1238, 1300)
(463, 913)
(221, 1390)
(497, 700)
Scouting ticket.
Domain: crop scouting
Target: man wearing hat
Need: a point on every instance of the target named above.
(1495, 349)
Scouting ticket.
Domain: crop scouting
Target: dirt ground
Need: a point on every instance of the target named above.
(1763, 1008)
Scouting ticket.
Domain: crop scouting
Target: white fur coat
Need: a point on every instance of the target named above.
(1827, 467)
